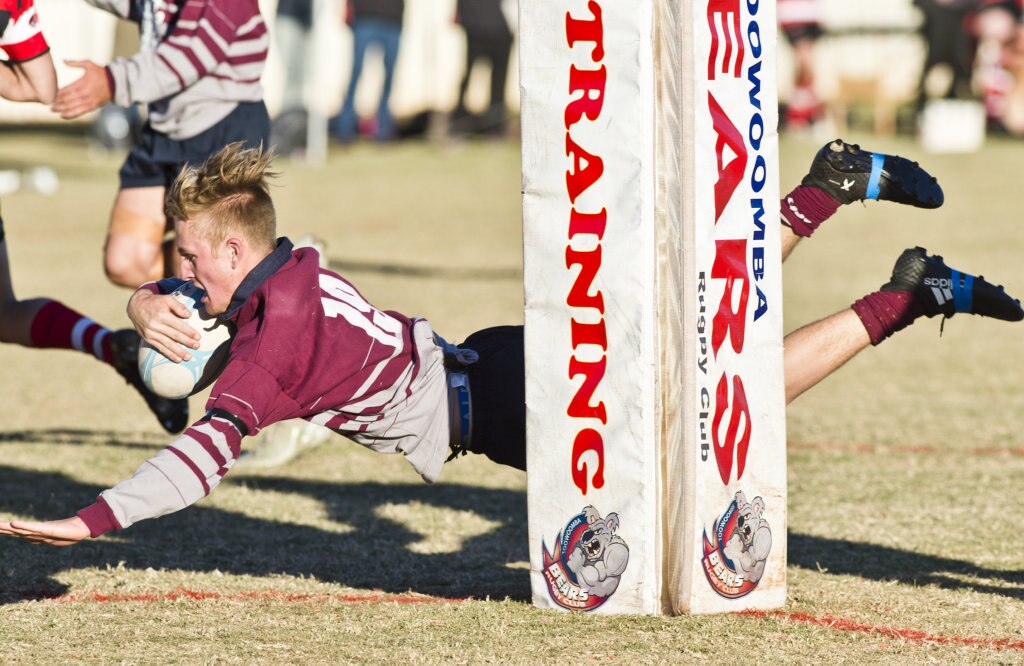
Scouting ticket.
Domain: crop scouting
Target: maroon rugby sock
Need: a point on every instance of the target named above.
(885, 312)
(58, 327)
(806, 207)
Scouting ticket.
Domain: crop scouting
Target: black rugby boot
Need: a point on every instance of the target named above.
(172, 414)
(848, 173)
(941, 290)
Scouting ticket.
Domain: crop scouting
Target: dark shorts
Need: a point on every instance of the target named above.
(798, 32)
(157, 159)
(497, 384)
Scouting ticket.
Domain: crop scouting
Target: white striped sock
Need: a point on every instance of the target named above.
(78, 332)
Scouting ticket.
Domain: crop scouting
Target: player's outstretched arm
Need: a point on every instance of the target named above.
(88, 93)
(32, 81)
(65, 532)
(162, 321)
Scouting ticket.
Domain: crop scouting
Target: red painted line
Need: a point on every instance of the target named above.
(182, 593)
(827, 621)
(911, 635)
(920, 449)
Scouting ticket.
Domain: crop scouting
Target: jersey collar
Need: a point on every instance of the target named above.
(258, 275)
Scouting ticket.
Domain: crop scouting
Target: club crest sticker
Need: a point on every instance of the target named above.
(735, 555)
(587, 563)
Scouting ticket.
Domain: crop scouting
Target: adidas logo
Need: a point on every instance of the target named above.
(942, 289)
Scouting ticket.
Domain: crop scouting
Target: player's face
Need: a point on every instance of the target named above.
(215, 270)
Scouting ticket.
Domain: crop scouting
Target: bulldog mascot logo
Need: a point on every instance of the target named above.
(585, 568)
(736, 552)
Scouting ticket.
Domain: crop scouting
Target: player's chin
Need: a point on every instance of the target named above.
(213, 309)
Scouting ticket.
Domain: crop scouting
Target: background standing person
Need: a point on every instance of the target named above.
(373, 22)
(198, 69)
(800, 21)
(997, 26)
(293, 28)
(488, 37)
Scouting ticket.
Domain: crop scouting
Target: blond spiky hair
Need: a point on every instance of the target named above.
(228, 194)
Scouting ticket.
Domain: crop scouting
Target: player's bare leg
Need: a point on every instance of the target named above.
(920, 286)
(134, 251)
(819, 349)
(15, 316)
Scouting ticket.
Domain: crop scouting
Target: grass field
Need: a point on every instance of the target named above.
(904, 467)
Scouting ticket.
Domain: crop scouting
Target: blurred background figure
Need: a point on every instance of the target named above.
(376, 22)
(292, 30)
(999, 77)
(800, 21)
(488, 37)
(947, 43)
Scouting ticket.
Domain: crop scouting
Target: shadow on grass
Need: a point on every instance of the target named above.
(344, 266)
(75, 437)
(374, 555)
(882, 563)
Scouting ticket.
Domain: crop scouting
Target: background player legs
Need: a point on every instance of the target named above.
(390, 40)
(133, 253)
(16, 316)
(345, 126)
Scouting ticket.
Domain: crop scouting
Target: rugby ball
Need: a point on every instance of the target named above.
(179, 380)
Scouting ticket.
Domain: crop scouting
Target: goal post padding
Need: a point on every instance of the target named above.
(655, 398)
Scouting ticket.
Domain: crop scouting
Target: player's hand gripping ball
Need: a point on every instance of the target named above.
(178, 380)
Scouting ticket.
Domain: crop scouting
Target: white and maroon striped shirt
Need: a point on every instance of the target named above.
(308, 345)
(198, 60)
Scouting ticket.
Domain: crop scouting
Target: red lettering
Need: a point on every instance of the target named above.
(730, 265)
(589, 334)
(725, 14)
(587, 30)
(586, 100)
(739, 416)
(586, 169)
(588, 223)
(589, 263)
(591, 82)
(729, 175)
(587, 441)
(593, 373)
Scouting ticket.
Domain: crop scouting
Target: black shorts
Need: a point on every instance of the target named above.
(497, 384)
(798, 32)
(157, 159)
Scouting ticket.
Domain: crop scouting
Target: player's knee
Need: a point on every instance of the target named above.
(125, 271)
(132, 254)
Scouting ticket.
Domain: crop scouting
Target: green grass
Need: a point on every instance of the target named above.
(903, 467)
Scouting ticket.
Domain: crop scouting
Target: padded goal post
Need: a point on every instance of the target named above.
(655, 396)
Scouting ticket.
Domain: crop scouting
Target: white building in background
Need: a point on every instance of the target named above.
(431, 57)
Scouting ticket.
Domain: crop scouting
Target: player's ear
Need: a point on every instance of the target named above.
(237, 249)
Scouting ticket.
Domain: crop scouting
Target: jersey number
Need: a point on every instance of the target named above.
(345, 301)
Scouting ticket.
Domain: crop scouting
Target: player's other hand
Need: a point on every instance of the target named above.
(66, 532)
(162, 321)
(84, 95)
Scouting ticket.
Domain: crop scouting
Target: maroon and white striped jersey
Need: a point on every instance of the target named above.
(197, 60)
(307, 345)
